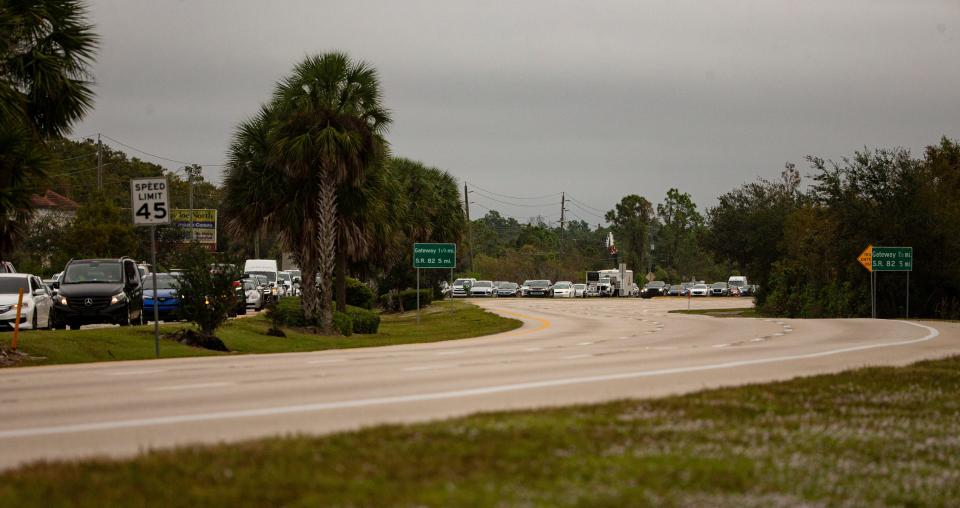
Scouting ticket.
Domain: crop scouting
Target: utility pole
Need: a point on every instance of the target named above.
(99, 164)
(466, 202)
(563, 208)
(193, 233)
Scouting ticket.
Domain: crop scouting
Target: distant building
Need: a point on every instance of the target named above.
(53, 205)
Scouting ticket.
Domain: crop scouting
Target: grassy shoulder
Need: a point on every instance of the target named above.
(442, 321)
(875, 436)
(732, 312)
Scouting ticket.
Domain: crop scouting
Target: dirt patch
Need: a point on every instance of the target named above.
(194, 338)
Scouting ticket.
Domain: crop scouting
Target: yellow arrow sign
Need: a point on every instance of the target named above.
(866, 258)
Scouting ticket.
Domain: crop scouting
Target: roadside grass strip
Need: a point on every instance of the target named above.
(442, 321)
(872, 436)
(733, 312)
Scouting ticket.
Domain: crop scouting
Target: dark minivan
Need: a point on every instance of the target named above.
(99, 291)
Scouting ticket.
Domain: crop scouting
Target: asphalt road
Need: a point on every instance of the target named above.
(570, 351)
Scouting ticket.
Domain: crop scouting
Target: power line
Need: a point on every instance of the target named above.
(538, 205)
(584, 204)
(158, 156)
(512, 197)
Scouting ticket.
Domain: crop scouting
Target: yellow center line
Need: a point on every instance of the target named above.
(544, 324)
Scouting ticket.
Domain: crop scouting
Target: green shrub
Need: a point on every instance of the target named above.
(364, 321)
(288, 312)
(343, 323)
(359, 295)
(408, 297)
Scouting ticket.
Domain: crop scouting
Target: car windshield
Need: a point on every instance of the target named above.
(580, 286)
(248, 285)
(737, 283)
(13, 285)
(285, 276)
(483, 284)
(93, 271)
(508, 285)
(527, 282)
(294, 273)
(460, 282)
(270, 276)
(700, 286)
(163, 282)
(540, 283)
(262, 280)
(719, 285)
(562, 285)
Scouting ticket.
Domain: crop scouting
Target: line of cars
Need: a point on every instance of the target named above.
(121, 291)
(465, 287)
(736, 285)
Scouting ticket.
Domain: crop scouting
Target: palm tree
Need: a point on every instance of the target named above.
(320, 136)
(46, 49)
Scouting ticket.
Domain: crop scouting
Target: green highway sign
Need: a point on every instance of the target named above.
(434, 255)
(892, 259)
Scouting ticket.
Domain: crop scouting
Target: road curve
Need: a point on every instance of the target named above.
(574, 351)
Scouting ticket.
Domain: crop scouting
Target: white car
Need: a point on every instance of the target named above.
(483, 288)
(253, 294)
(700, 290)
(563, 289)
(579, 290)
(37, 301)
(461, 287)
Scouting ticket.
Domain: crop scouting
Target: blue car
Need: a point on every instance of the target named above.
(167, 298)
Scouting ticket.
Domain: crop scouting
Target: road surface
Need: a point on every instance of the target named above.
(569, 351)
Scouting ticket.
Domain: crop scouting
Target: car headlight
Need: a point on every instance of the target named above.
(117, 298)
(63, 300)
(274, 290)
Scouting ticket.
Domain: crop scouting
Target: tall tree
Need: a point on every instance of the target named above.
(46, 49)
(676, 236)
(320, 136)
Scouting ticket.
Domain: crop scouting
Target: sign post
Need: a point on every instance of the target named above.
(150, 202)
(886, 259)
(433, 255)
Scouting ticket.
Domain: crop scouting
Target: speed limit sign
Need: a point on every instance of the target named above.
(150, 201)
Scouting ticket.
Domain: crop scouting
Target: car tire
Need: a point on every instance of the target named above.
(74, 326)
(33, 322)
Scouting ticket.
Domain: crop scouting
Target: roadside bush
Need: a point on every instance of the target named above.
(343, 323)
(406, 300)
(206, 296)
(359, 295)
(364, 321)
(288, 312)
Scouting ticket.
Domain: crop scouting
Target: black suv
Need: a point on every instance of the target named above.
(99, 291)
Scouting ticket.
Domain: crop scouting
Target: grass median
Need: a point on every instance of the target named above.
(874, 436)
(731, 312)
(442, 321)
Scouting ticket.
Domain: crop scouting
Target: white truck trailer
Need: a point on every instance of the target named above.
(609, 282)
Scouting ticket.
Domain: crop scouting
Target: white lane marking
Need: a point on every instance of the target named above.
(132, 372)
(534, 349)
(429, 367)
(574, 357)
(456, 352)
(778, 335)
(584, 343)
(453, 394)
(721, 345)
(187, 387)
(328, 360)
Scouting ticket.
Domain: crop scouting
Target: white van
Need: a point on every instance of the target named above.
(739, 286)
(267, 268)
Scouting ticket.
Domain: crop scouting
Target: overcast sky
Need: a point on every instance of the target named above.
(528, 98)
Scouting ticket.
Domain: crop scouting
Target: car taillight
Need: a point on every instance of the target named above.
(236, 283)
